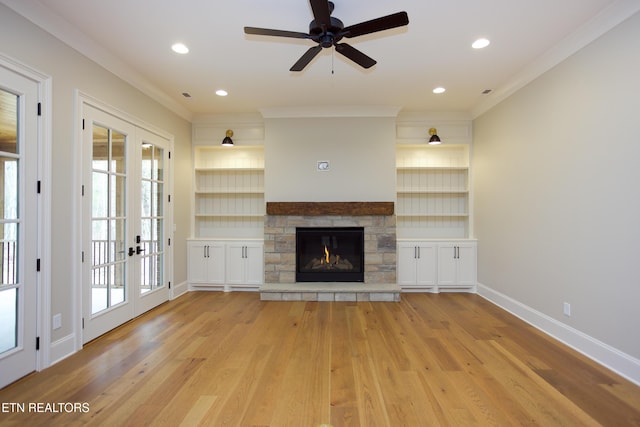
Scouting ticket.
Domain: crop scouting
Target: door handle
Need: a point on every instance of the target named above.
(131, 252)
(139, 250)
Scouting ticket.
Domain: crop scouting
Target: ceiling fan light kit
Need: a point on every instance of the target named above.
(328, 31)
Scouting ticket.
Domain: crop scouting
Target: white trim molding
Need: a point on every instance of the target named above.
(610, 357)
(606, 20)
(44, 82)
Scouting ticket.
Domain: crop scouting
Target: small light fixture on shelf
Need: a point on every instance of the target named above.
(435, 139)
(227, 141)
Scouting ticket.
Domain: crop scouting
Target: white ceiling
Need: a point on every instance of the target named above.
(132, 38)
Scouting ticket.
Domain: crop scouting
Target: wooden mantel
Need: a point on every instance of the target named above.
(330, 208)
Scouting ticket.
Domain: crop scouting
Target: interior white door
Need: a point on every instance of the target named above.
(18, 225)
(108, 229)
(125, 225)
(152, 234)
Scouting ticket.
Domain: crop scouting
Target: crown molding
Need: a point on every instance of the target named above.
(606, 20)
(59, 28)
(328, 111)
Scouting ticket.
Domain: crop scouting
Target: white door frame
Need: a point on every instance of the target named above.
(43, 244)
(85, 99)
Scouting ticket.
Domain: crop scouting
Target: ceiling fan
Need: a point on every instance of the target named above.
(327, 31)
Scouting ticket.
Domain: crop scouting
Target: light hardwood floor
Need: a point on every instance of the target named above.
(230, 359)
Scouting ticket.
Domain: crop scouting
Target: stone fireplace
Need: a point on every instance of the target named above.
(377, 219)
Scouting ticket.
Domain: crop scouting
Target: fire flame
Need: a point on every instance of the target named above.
(326, 254)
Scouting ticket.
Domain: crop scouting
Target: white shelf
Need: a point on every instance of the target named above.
(433, 191)
(228, 215)
(432, 215)
(432, 168)
(239, 191)
(228, 169)
(229, 191)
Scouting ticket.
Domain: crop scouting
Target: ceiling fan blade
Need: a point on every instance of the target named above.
(321, 12)
(276, 33)
(355, 55)
(379, 24)
(306, 58)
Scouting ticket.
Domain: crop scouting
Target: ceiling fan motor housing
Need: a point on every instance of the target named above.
(326, 37)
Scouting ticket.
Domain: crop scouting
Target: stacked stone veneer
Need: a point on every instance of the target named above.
(379, 244)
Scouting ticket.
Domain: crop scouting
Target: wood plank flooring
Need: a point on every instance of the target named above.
(229, 359)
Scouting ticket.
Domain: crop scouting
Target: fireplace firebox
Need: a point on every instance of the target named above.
(333, 254)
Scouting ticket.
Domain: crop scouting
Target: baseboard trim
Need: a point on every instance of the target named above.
(609, 357)
(179, 289)
(62, 348)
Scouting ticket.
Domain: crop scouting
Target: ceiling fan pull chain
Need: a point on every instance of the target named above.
(333, 55)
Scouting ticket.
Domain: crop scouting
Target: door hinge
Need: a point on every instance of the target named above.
(39, 186)
(38, 264)
(83, 323)
(82, 124)
(169, 285)
(37, 343)
(169, 242)
(39, 108)
(169, 198)
(82, 190)
(169, 154)
(82, 256)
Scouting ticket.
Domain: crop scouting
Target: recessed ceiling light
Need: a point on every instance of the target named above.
(221, 92)
(480, 43)
(180, 48)
(439, 90)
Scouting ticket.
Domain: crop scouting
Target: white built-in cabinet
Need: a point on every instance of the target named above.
(226, 251)
(416, 266)
(437, 266)
(244, 266)
(457, 265)
(435, 250)
(206, 263)
(225, 264)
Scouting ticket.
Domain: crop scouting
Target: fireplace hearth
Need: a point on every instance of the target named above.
(333, 254)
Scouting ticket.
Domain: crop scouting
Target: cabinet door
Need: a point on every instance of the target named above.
(426, 265)
(407, 271)
(215, 264)
(467, 264)
(235, 263)
(254, 267)
(447, 264)
(197, 262)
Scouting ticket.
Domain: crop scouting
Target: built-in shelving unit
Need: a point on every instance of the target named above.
(432, 191)
(228, 191)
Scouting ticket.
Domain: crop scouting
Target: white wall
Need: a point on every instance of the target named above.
(70, 71)
(360, 150)
(557, 193)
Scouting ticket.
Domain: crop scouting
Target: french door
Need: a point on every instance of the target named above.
(18, 225)
(124, 223)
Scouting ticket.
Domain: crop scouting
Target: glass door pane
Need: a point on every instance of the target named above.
(152, 218)
(109, 222)
(10, 286)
